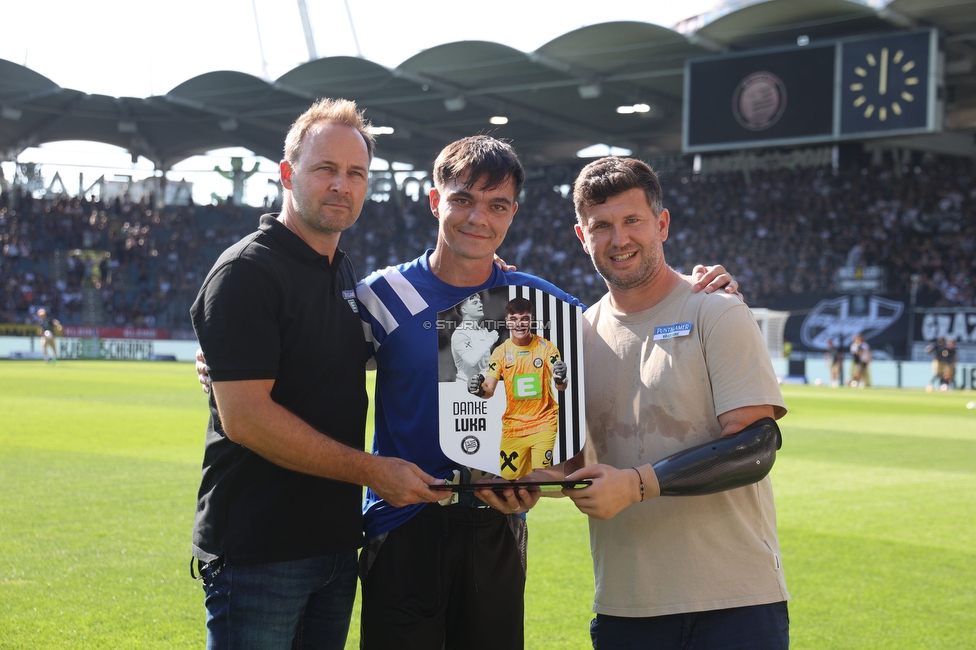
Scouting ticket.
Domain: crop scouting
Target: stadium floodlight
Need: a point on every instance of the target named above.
(590, 91)
(453, 104)
(10, 113)
(634, 108)
(381, 130)
(600, 150)
(498, 119)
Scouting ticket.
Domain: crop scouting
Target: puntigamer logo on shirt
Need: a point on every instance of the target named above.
(671, 331)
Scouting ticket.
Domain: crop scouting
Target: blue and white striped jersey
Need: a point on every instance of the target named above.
(399, 307)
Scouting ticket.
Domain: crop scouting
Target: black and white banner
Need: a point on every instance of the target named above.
(956, 323)
(884, 320)
(879, 319)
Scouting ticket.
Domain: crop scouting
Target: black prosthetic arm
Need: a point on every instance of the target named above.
(729, 462)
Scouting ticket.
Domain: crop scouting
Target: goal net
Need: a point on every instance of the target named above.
(772, 324)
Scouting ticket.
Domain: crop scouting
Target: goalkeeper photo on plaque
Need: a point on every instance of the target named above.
(510, 381)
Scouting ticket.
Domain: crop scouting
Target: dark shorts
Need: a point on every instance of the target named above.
(760, 627)
(451, 577)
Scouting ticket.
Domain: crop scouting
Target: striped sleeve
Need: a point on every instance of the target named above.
(386, 299)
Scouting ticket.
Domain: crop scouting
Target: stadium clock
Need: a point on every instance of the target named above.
(885, 83)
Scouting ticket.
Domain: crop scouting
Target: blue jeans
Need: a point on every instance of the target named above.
(281, 605)
(760, 627)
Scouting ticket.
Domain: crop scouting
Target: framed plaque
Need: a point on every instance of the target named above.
(510, 381)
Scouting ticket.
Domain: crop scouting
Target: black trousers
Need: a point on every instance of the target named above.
(452, 577)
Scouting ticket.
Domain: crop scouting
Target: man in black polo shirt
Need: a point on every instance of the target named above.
(279, 516)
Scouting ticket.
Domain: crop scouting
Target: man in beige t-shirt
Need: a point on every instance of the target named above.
(668, 370)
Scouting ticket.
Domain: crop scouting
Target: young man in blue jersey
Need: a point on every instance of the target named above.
(437, 576)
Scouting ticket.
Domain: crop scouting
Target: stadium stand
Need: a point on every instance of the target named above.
(890, 206)
(780, 232)
(788, 231)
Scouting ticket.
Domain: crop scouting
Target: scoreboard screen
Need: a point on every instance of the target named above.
(869, 86)
(784, 96)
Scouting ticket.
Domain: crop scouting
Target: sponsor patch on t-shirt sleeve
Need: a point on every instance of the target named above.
(671, 331)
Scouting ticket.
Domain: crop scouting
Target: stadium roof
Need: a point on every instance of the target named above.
(558, 99)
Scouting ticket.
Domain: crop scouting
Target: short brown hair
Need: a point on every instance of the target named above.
(329, 111)
(518, 306)
(476, 157)
(607, 177)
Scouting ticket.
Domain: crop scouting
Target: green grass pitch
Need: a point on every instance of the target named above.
(99, 465)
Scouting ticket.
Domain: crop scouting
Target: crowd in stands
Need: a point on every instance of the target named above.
(790, 230)
(779, 232)
(145, 265)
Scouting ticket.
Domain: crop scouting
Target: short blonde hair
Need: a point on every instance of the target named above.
(329, 111)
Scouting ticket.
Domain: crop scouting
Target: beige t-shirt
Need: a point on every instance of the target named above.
(656, 382)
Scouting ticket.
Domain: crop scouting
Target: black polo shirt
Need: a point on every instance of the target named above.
(273, 308)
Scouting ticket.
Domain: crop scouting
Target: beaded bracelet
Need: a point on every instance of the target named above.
(641, 479)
